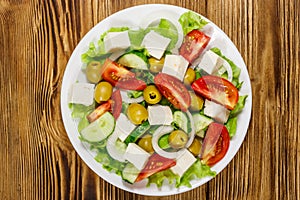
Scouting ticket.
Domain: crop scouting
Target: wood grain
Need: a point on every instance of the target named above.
(37, 39)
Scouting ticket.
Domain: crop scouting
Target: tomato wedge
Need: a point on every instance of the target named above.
(120, 77)
(156, 163)
(116, 104)
(100, 110)
(174, 90)
(217, 89)
(131, 84)
(193, 44)
(215, 144)
(114, 72)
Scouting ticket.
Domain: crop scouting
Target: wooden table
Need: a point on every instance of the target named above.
(37, 158)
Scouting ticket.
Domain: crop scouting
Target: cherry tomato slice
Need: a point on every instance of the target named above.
(156, 163)
(116, 104)
(114, 72)
(217, 89)
(120, 77)
(193, 44)
(215, 144)
(100, 110)
(131, 84)
(174, 90)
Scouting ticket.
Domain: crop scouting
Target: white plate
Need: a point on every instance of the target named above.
(140, 16)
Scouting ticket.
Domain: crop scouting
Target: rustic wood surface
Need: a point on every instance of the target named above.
(37, 158)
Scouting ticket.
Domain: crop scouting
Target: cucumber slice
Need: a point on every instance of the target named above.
(130, 173)
(163, 142)
(137, 132)
(135, 60)
(201, 123)
(99, 129)
(180, 119)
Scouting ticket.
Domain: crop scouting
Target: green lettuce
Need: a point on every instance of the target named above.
(158, 178)
(236, 71)
(164, 28)
(136, 37)
(190, 21)
(134, 93)
(98, 52)
(239, 106)
(197, 170)
(104, 158)
(168, 30)
(231, 125)
(81, 111)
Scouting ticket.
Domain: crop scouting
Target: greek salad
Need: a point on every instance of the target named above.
(159, 103)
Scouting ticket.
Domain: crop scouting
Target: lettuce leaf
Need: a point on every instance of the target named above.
(190, 21)
(168, 30)
(239, 106)
(136, 37)
(134, 93)
(160, 177)
(104, 158)
(197, 170)
(236, 71)
(81, 111)
(98, 52)
(231, 125)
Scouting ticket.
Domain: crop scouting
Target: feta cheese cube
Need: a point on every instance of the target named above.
(210, 62)
(160, 115)
(175, 65)
(124, 127)
(136, 155)
(82, 93)
(216, 111)
(115, 41)
(183, 162)
(155, 44)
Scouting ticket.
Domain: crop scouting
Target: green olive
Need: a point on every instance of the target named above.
(189, 77)
(151, 94)
(146, 143)
(137, 113)
(103, 91)
(196, 102)
(178, 139)
(156, 65)
(93, 72)
(195, 147)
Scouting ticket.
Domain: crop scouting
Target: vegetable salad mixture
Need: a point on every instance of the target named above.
(155, 107)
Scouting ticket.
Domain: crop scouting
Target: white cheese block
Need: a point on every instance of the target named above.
(136, 155)
(210, 62)
(216, 111)
(160, 115)
(124, 127)
(155, 44)
(82, 93)
(183, 162)
(115, 41)
(175, 65)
